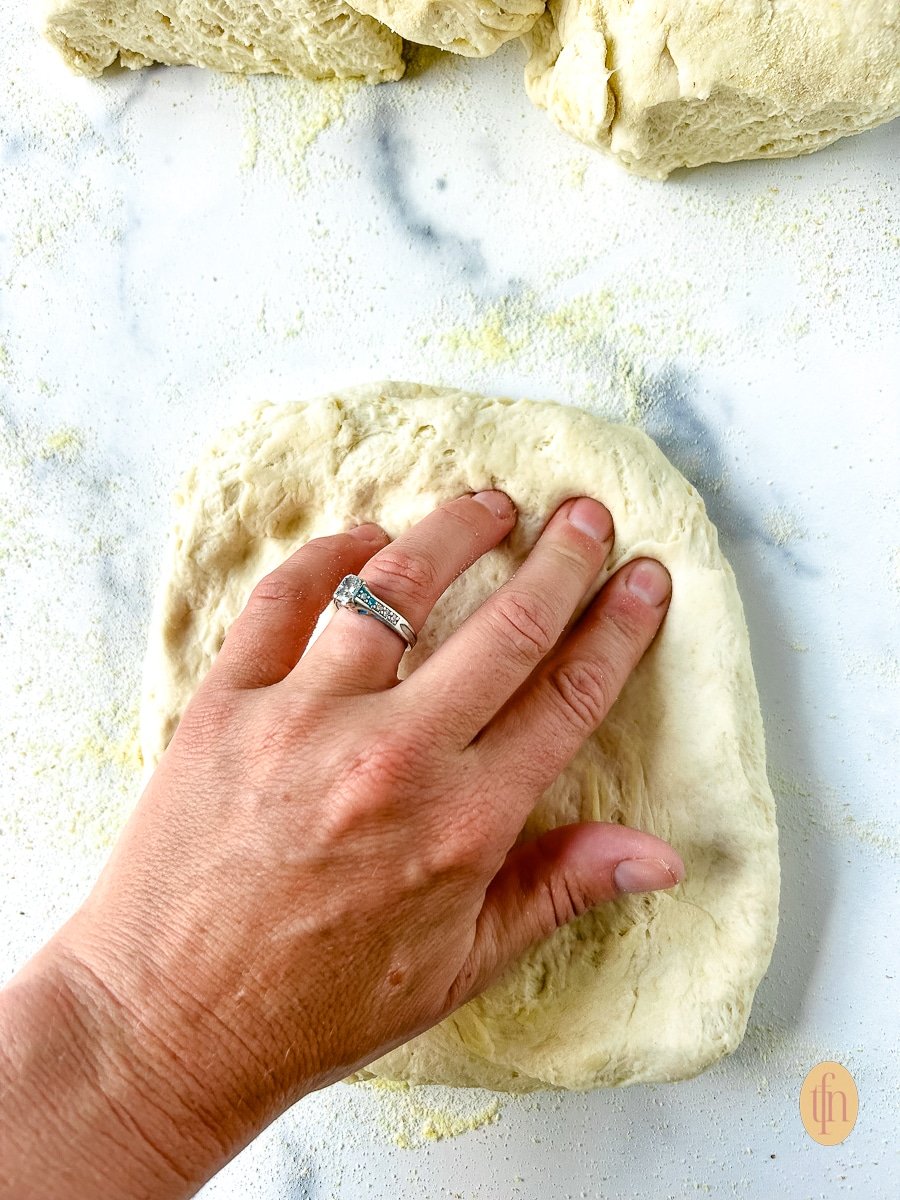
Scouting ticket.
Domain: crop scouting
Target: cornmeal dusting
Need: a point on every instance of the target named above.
(413, 1116)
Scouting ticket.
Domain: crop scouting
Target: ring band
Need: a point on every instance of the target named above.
(352, 593)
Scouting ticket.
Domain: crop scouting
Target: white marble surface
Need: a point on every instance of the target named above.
(169, 255)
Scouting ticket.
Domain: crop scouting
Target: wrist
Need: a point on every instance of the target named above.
(65, 1103)
(109, 1090)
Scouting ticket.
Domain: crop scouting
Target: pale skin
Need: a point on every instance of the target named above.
(325, 862)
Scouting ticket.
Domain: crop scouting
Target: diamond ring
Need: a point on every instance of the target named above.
(352, 593)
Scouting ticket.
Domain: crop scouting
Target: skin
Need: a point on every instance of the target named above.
(325, 862)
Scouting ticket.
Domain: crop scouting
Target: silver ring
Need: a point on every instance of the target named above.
(352, 593)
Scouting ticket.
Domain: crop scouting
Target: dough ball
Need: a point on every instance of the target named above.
(668, 85)
(652, 987)
(319, 39)
(474, 28)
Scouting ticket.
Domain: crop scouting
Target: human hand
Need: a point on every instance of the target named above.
(324, 863)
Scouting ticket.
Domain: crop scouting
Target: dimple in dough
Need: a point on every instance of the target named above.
(648, 988)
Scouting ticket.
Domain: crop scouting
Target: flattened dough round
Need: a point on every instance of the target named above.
(649, 988)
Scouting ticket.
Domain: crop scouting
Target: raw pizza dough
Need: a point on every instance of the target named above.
(662, 84)
(659, 84)
(652, 987)
(319, 39)
(474, 28)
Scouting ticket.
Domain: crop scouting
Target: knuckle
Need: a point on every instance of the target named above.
(460, 517)
(328, 548)
(408, 576)
(273, 740)
(214, 708)
(626, 635)
(276, 588)
(384, 770)
(564, 899)
(205, 719)
(525, 624)
(572, 559)
(279, 725)
(465, 851)
(583, 691)
(209, 723)
(465, 985)
(370, 796)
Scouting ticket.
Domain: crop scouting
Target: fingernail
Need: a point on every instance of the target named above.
(643, 875)
(496, 502)
(650, 582)
(368, 533)
(591, 518)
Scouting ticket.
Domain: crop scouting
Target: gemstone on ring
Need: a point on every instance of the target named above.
(353, 593)
(346, 590)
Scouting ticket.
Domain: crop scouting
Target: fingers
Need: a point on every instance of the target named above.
(410, 575)
(548, 882)
(266, 641)
(516, 627)
(545, 724)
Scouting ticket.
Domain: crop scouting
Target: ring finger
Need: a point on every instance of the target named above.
(410, 575)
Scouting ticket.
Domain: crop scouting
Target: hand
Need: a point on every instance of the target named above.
(325, 862)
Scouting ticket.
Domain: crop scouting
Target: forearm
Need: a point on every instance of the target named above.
(93, 1102)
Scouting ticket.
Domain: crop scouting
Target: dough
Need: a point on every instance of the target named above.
(652, 987)
(320, 39)
(663, 84)
(474, 28)
(658, 84)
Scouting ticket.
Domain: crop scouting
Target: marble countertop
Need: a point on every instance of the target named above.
(175, 247)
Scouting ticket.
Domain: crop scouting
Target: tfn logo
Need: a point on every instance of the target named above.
(829, 1103)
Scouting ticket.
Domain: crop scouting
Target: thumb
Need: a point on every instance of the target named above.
(545, 883)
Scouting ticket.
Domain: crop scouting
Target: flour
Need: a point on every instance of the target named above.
(283, 118)
(783, 526)
(69, 734)
(414, 1116)
(813, 807)
(67, 445)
